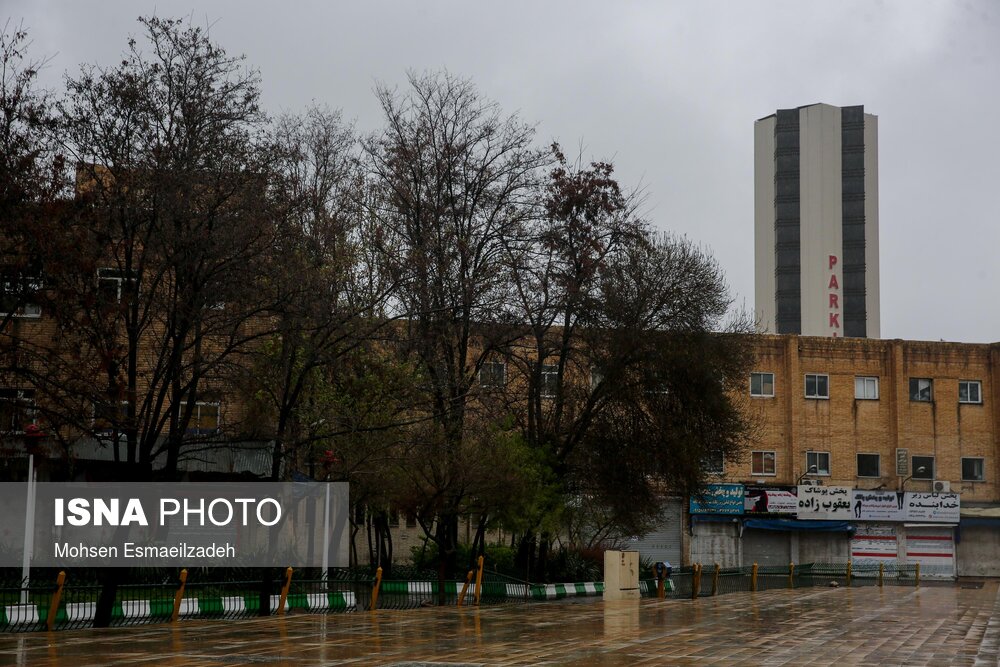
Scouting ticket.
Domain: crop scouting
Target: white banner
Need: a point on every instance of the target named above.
(830, 503)
(932, 507)
(877, 505)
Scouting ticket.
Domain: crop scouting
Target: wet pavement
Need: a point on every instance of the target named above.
(930, 625)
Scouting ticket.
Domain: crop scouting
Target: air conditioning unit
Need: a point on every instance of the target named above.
(941, 486)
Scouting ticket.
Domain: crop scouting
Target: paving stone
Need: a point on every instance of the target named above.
(865, 626)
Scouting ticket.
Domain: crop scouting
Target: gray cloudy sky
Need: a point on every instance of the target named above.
(670, 91)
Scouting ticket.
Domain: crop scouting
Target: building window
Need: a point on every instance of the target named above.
(973, 469)
(18, 294)
(596, 377)
(714, 464)
(818, 463)
(817, 386)
(762, 384)
(110, 416)
(762, 463)
(923, 467)
(493, 375)
(866, 388)
(204, 418)
(970, 391)
(921, 389)
(868, 465)
(17, 409)
(411, 520)
(109, 285)
(550, 380)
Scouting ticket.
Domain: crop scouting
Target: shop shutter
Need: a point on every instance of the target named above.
(933, 548)
(664, 543)
(766, 548)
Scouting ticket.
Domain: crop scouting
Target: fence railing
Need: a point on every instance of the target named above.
(25, 605)
(707, 580)
(61, 602)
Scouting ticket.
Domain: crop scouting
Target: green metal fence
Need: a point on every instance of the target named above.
(160, 596)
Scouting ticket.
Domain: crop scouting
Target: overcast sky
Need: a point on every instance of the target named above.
(670, 92)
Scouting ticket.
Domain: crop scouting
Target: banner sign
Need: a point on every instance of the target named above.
(770, 500)
(266, 524)
(932, 507)
(831, 503)
(877, 505)
(718, 499)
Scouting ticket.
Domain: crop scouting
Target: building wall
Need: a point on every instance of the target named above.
(977, 552)
(815, 212)
(715, 543)
(763, 172)
(792, 425)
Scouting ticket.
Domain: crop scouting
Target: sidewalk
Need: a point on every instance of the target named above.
(933, 625)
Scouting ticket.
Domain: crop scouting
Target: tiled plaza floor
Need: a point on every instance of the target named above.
(932, 625)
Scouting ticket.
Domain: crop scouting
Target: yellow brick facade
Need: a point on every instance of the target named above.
(790, 424)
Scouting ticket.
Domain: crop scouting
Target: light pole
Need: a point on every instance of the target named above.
(811, 470)
(919, 471)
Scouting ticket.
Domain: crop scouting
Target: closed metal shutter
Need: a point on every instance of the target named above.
(933, 548)
(823, 547)
(664, 543)
(766, 547)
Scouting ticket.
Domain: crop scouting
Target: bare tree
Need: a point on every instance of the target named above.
(159, 294)
(453, 179)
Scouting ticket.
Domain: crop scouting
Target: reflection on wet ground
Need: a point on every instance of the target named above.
(932, 625)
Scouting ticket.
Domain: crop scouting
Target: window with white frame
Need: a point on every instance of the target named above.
(817, 385)
(204, 418)
(17, 409)
(923, 467)
(866, 388)
(550, 380)
(818, 463)
(869, 465)
(109, 285)
(493, 375)
(762, 384)
(973, 469)
(922, 390)
(18, 294)
(763, 463)
(970, 391)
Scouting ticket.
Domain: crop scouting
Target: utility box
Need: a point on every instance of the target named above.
(621, 575)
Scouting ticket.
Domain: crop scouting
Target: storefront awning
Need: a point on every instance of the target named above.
(797, 525)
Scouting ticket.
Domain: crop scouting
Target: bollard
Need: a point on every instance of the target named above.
(465, 587)
(284, 592)
(715, 580)
(50, 621)
(753, 578)
(848, 573)
(917, 574)
(178, 596)
(378, 583)
(696, 581)
(881, 573)
(791, 575)
(479, 579)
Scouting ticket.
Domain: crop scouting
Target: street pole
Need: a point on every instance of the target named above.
(29, 531)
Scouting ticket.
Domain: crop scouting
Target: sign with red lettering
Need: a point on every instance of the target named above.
(833, 302)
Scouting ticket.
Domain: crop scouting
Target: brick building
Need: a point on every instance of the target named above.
(878, 416)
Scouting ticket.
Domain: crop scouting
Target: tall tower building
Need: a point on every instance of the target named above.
(816, 221)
